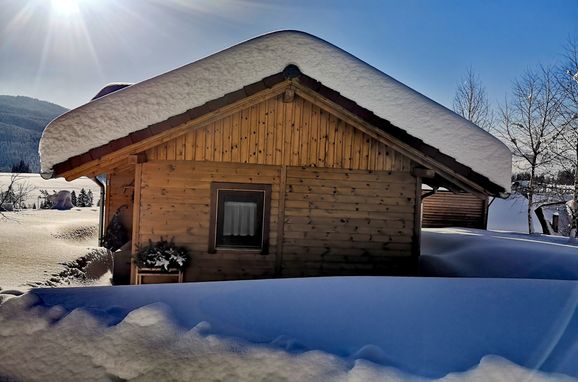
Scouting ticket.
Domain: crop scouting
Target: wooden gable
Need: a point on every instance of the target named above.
(274, 132)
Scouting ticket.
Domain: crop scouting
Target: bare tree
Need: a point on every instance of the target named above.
(567, 147)
(530, 124)
(471, 101)
(14, 194)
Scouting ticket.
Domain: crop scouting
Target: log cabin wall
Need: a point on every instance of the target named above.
(446, 209)
(175, 201)
(347, 222)
(341, 203)
(120, 189)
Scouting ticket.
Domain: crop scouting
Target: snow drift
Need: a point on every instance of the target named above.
(347, 328)
(468, 252)
(138, 106)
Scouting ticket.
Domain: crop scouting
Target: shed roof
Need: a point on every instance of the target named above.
(147, 103)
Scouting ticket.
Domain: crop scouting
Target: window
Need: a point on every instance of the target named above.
(239, 217)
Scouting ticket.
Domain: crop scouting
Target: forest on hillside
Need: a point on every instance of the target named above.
(22, 120)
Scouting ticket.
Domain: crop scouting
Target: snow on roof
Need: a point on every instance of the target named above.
(138, 106)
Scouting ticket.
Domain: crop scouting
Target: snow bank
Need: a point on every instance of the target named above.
(140, 105)
(34, 244)
(344, 329)
(465, 252)
(77, 346)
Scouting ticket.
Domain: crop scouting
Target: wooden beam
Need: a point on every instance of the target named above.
(416, 240)
(289, 95)
(281, 222)
(135, 221)
(424, 173)
(137, 158)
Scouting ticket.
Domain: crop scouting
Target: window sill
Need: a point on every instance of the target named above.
(239, 251)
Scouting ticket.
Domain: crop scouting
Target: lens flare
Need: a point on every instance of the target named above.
(65, 7)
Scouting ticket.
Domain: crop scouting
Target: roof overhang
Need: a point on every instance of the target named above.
(448, 172)
(128, 118)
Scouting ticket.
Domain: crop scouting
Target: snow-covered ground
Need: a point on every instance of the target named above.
(34, 244)
(466, 252)
(316, 329)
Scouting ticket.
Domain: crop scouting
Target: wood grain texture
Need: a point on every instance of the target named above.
(272, 132)
(446, 209)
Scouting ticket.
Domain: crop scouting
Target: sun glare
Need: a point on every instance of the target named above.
(65, 7)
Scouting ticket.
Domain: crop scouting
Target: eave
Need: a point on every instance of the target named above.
(449, 172)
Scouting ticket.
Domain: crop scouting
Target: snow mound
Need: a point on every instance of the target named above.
(467, 252)
(317, 328)
(138, 106)
(148, 346)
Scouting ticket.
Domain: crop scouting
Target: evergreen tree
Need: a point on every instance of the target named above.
(73, 199)
(89, 199)
(82, 198)
(21, 167)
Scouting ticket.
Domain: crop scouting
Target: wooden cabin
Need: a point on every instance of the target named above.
(280, 177)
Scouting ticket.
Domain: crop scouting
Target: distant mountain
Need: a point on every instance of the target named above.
(22, 120)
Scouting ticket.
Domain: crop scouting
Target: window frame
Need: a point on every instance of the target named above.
(214, 213)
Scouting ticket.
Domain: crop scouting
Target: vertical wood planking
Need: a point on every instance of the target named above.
(279, 130)
(262, 133)
(227, 139)
(181, 147)
(288, 131)
(270, 131)
(190, 145)
(218, 142)
(253, 135)
(236, 137)
(331, 137)
(296, 133)
(314, 137)
(305, 134)
(296, 129)
(200, 144)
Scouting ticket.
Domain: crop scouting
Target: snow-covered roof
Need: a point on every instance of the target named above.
(159, 98)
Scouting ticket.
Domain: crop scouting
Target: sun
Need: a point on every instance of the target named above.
(65, 7)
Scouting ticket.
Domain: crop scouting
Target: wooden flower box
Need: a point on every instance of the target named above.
(158, 276)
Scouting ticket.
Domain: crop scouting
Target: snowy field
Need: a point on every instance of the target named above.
(466, 252)
(316, 329)
(34, 244)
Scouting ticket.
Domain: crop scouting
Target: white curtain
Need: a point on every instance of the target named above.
(239, 219)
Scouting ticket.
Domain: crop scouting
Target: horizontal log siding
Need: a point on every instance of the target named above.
(446, 209)
(120, 189)
(272, 132)
(345, 222)
(175, 200)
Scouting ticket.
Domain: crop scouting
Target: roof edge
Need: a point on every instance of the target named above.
(291, 72)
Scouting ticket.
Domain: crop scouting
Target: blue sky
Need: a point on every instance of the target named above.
(63, 51)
